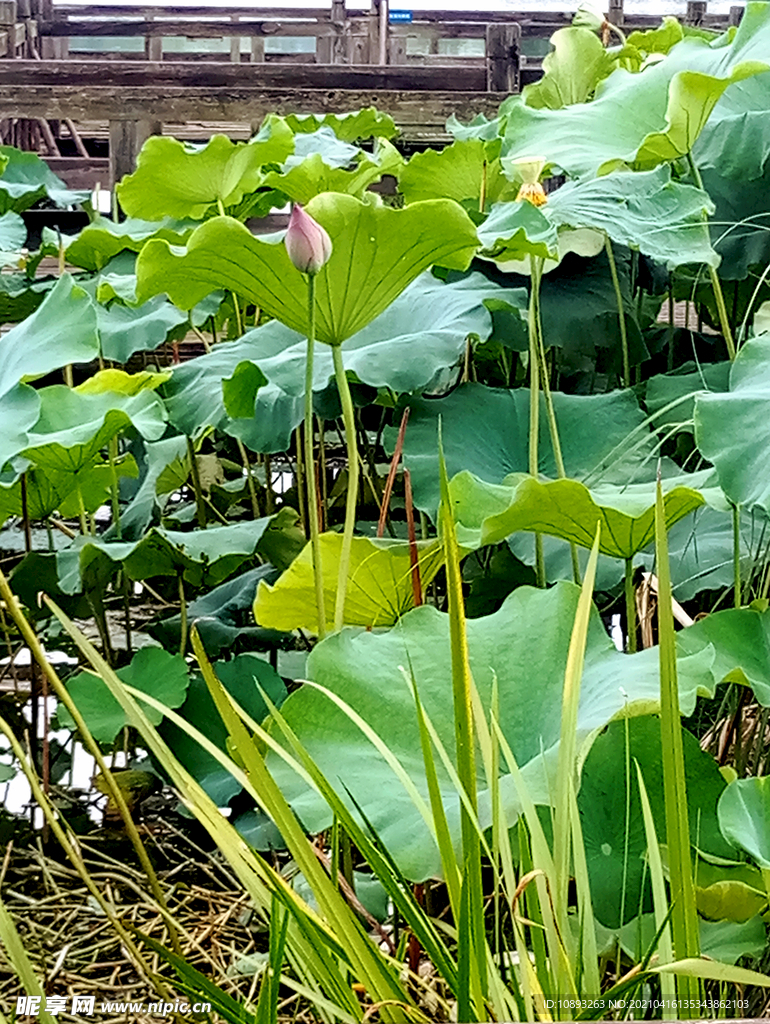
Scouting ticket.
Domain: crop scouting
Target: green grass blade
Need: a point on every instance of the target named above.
(659, 899)
(22, 965)
(684, 918)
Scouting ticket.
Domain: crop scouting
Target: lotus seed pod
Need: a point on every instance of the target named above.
(307, 243)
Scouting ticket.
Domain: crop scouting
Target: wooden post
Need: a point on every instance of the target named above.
(235, 45)
(126, 139)
(373, 33)
(735, 15)
(696, 9)
(153, 45)
(615, 12)
(384, 27)
(338, 43)
(503, 49)
(257, 49)
(397, 50)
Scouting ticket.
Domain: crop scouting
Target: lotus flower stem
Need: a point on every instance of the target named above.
(200, 508)
(182, 617)
(249, 478)
(112, 455)
(621, 311)
(716, 284)
(348, 416)
(534, 414)
(536, 265)
(310, 477)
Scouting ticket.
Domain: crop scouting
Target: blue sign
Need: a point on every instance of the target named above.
(400, 16)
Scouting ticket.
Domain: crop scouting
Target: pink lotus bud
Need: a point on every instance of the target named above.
(307, 243)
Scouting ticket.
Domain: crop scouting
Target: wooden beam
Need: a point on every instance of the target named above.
(192, 29)
(163, 75)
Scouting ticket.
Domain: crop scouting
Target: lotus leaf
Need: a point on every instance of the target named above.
(731, 428)
(646, 118)
(73, 426)
(313, 175)
(616, 847)
(744, 817)
(351, 127)
(26, 178)
(379, 584)
(175, 179)
(459, 171)
(572, 70)
(13, 232)
(152, 670)
(103, 239)
(647, 211)
(740, 638)
(377, 252)
(486, 430)
(488, 513)
(521, 649)
(199, 557)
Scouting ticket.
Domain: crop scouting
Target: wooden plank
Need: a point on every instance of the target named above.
(192, 29)
(80, 172)
(126, 139)
(98, 74)
(420, 114)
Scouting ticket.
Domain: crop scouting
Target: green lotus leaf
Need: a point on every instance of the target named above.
(25, 178)
(421, 335)
(379, 584)
(73, 426)
(488, 513)
(736, 140)
(740, 638)
(240, 678)
(614, 836)
(459, 172)
(739, 234)
(124, 330)
(572, 70)
(666, 388)
(744, 817)
(50, 491)
(101, 240)
(314, 175)
(520, 651)
(731, 429)
(732, 892)
(646, 118)
(62, 330)
(723, 940)
(20, 296)
(486, 430)
(377, 252)
(641, 43)
(176, 179)
(13, 232)
(199, 556)
(354, 126)
(221, 617)
(646, 211)
(152, 670)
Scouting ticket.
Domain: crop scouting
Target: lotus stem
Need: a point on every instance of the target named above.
(182, 617)
(349, 420)
(621, 311)
(630, 606)
(737, 554)
(716, 284)
(200, 508)
(249, 478)
(536, 266)
(112, 454)
(310, 476)
(534, 413)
